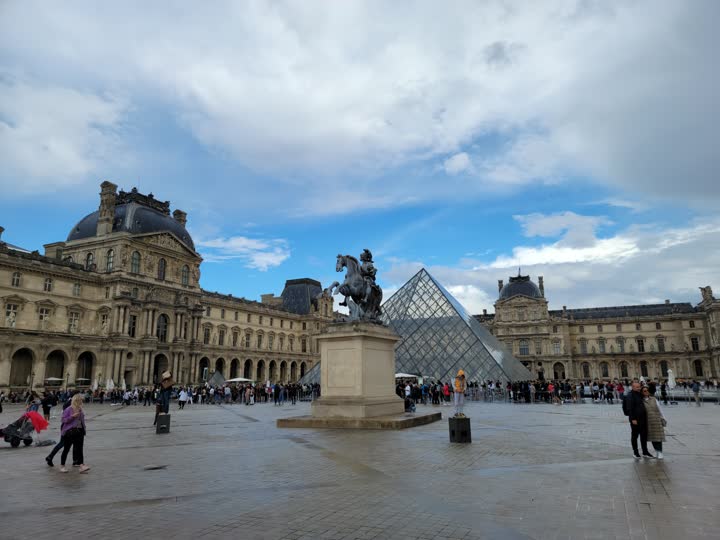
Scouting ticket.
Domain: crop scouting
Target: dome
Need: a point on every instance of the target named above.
(134, 218)
(520, 286)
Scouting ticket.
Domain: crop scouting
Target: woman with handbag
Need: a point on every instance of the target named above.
(655, 420)
(73, 433)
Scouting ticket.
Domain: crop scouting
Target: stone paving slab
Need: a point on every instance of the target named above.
(532, 471)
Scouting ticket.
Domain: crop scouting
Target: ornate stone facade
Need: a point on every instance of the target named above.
(607, 343)
(121, 299)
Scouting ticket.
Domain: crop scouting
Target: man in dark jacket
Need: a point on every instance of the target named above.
(638, 421)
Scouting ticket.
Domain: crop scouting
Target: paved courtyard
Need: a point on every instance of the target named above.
(532, 471)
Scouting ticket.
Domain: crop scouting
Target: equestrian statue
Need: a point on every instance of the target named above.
(362, 295)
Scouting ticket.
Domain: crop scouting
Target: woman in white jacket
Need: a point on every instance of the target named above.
(182, 398)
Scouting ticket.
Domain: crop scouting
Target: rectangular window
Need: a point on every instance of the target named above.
(599, 328)
(601, 345)
(555, 329)
(658, 326)
(104, 322)
(208, 311)
(236, 315)
(11, 311)
(292, 345)
(556, 348)
(260, 320)
(206, 336)
(692, 324)
(249, 318)
(76, 289)
(291, 325)
(538, 346)
(132, 325)
(16, 279)
(259, 341)
(48, 287)
(235, 339)
(638, 326)
(44, 316)
(620, 344)
(270, 342)
(135, 292)
(73, 322)
(695, 343)
(618, 327)
(282, 323)
(583, 347)
(582, 329)
(221, 337)
(303, 345)
(222, 313)
(640, 345)
(271, 321)
(524, 347)
(661, 344)
(304, 326)
(107, 292)
(247, 341)
(282, 344)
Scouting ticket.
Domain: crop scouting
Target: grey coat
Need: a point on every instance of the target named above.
(655, 418)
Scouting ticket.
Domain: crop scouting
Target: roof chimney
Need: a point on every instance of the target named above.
(541, 286)
(108, 195)
(500, 285)
(484, 311)
(180, 217)
(667, 301)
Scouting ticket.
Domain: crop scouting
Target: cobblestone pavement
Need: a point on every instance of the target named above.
(532, 471)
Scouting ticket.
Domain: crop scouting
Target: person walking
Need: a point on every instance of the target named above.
(182, 398)
(696, 391)
(73, 432)
(459, 393)
(634, 408)
(655, 420)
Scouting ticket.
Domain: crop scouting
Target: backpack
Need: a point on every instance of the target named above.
(626, 404)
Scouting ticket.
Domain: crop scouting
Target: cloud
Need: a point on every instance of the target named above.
(310, 94)
(258, 254)
(457, 163)
(642, 264)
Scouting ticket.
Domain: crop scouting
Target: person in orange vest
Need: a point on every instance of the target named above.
(460, 387)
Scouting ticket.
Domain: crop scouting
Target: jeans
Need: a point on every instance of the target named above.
(57, 448)
(641, 430)
(75, 441)
(459, 402)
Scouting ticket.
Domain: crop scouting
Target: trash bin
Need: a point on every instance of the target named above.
(459, 430)
(163, 424)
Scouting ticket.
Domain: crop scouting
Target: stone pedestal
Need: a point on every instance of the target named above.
(357, 382)
(357, 372)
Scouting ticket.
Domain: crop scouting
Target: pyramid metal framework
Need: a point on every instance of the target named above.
(440, 336)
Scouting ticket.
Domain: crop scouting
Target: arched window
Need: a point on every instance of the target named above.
(185, 275)
(698, 368)
(643, 368)
(109, 260)
(162, 265)
(89, 261)
(16, 279)
(162, 328)
(135, 263)
(524, 347)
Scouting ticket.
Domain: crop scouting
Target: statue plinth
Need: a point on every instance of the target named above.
(357, 372)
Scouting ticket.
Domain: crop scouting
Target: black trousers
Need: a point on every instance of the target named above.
(641, 430)
(75, 441)
(57, 448)
(657, 445)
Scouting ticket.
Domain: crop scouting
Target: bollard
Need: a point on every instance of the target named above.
(163, 424)
(459, 429)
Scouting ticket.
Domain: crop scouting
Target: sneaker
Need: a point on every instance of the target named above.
(63, 468)
(636, 456)
(648, 456)
(84, 468)
(659, 455)
(49, 461)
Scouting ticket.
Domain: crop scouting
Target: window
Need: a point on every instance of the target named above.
(271, 339)
(620, 342)
(582, 329)
(292, 344)
(698, 368)
(48, 286)
(663, 368)
(599, 328)
(107, 292)
(583, 346)
(556, 348)
(76, 289)
(247, 341)
(282, 323)
(640, 344)
(618, 327)
(89, 261)
(44, 316)
(73, 322)
(135, 292)
(271, 321)
(604, 370)
(222, 313)
(601, 345)
(162, 266)
(15, 279)
(185, 275)
(524, 347)
(624, 369)
(132, 325)
(208, 311)
(236, 315)
(638, 326)
(104, 321)
(695, 343)
(586, 370)
(206, 335)
(109, 260)
(658, 326)
(692, 324)
(162, 328)
(135, 263)
(249, 318)
(304, 326)
(555, 329)
(281, 343)
(325, 309)
(661, 344)
(644, 369)
(291, 325)
(260, 320)
(221, 337)
(538, 346)
(235, 339)
(259, 341)
(303, 345)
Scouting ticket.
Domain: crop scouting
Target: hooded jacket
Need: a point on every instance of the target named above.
(460, 382)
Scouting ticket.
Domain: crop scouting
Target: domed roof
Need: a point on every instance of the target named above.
(520, 286)
(134, 218)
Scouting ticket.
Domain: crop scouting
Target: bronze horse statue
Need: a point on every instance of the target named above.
(362, 295)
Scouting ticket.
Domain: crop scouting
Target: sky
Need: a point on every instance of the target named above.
(573, 139)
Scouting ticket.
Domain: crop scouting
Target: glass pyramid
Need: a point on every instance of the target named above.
(439, 337)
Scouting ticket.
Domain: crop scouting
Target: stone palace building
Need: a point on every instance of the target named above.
(606, 342)
(121, 299)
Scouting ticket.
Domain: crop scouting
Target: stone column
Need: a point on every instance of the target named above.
(38, 367)
(121, 370)
(5, 364)
(146, 315)
(72, 371)
(126, 320)
(153, 325)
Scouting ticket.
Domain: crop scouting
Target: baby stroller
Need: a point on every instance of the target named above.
(21, 430)
(409, 405)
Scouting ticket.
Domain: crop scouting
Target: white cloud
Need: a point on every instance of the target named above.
(258, 254)
(457, 163)
(326, 97)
